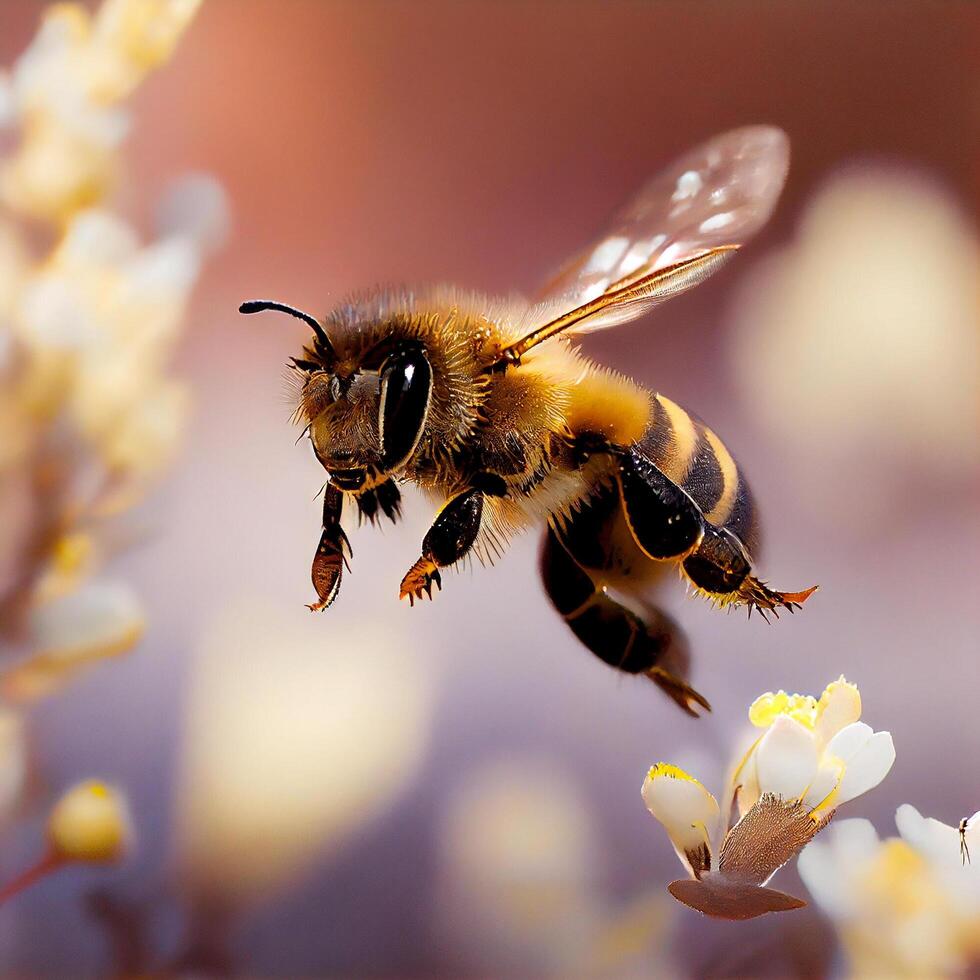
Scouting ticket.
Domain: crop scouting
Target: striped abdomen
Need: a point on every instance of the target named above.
(689, 453)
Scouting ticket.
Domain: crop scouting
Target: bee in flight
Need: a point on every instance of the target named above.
(488, 406)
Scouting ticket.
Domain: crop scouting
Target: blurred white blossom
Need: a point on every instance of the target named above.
(907, 906)
(73, 631)
(295, 737)
(519, 862)
(520, 882)
(857, 346)
(813, 756)
(89, 319)
(66, 94)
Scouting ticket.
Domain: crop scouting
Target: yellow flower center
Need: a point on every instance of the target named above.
(766, 708)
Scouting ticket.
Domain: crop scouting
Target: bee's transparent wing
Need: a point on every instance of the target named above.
(683, 225)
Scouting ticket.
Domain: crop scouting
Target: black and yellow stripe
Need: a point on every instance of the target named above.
(691, 455)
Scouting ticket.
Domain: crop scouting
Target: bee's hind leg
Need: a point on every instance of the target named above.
(651, 645)
(720, 568)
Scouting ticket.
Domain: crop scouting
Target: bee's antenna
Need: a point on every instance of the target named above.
(261, 305)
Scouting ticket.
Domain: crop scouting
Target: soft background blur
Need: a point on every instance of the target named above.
(454, 788)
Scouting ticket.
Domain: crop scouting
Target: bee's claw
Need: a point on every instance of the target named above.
(419, 580)
(757, 595)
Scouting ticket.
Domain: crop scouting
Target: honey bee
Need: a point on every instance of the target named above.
(489, 407)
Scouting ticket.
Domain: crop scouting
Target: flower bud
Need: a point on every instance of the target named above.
(90, 823)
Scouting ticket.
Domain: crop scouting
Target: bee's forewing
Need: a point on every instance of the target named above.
(713, 198)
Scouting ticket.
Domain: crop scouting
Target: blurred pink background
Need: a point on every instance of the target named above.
(481, 144)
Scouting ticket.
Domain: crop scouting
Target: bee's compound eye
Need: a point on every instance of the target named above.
(406, 386)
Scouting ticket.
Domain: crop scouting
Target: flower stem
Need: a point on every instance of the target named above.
(50, 862)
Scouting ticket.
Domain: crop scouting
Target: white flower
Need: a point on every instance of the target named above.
(815, 751)
(88, 324)
(66, 92)
(813, 756)
(905, 906)
(70, 632)
(954, 855)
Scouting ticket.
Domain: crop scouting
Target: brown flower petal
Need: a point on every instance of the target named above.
(728, 898)
(772, 832)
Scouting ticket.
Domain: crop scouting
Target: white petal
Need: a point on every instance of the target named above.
(818, 872)
(97, 237)
(742, 778)
(828, 864)
(70, 632)
(867, 767)
(824, 783)
(196, 207)
(101, 619)
(848, 740)
(748, 785)
(786, 759)
(930, 837)
(839, 706)
(686, 809)
(162, 271)
(853, 840)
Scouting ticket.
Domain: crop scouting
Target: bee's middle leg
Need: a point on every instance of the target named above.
(650, 644)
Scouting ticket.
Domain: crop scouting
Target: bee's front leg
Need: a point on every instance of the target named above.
(451, 536)
(332, 551)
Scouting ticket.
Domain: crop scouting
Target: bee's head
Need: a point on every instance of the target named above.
(367, 414)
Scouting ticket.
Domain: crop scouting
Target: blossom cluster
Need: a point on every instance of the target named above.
(89, 412)
(813, 756)
(89, 318)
